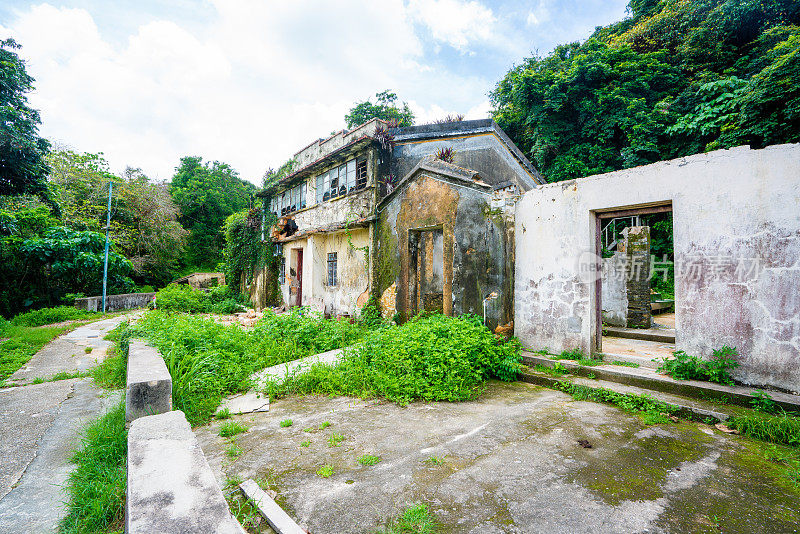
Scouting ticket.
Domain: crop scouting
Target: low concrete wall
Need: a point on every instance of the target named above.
(149, 384)
(737, 256)
(171, 487)
(126, 301)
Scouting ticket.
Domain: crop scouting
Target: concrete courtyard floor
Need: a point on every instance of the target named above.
(512, 462)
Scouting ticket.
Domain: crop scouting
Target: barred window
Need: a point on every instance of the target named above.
(341, 180)
(332, 269)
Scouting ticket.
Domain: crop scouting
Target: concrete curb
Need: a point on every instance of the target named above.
(149, 385)
(274, 514)
(171, 487)
(649, 379)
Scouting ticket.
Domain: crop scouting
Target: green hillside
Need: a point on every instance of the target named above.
(676, 77)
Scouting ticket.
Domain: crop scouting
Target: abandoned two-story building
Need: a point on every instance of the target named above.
(372, 211)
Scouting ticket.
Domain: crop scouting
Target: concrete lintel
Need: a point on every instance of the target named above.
(274, 514)
(171, 487)
(149, 384)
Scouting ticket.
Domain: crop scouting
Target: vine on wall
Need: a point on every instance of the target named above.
(246, 253)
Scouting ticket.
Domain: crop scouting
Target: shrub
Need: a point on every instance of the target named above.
(184, 298)
(45, 316)
(429, 358)
(717, 369)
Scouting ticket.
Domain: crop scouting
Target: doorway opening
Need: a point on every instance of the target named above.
(635, 292)
(426, 271)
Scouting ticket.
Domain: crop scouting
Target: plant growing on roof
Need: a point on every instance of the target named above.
(445, 154)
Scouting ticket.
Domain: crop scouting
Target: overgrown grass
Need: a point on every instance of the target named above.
(111, 373)
(783, 428)
(184, 298)
(96, 487)
(231, 428)
(557, 370)
(415, 519)
(208, 360)
(428, 358)
(625, 364)
(45, 316)
(22, 343)
(652, 411)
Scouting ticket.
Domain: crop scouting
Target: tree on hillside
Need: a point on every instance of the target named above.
(385, 109)
(673, 79)
(207, 193)
(144, 218)
(23, 170)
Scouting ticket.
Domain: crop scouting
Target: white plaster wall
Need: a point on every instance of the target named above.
(728, 205)
(353, 279)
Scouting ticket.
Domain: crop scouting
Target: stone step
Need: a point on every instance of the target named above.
(666, 335)
(643, 361)
(649, 379)
(689, 408)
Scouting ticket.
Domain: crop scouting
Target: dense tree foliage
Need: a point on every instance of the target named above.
(207, 194)
(23, 169)
(143, 216)
(385, 108)
(676, 77)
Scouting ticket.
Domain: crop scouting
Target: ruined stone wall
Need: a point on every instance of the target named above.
(475, 248)
(615, 290)
(484, 153)
(737, 251)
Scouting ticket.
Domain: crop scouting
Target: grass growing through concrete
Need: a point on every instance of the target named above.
(208, 360)
(415, 519)
(334, 440)
(556, 370)
(625, 364)
(434, 460)
(111, 373)
(369, 459)
(325, 471)
(783, 428)
(652, 411)
(286, 423)
(427, 358)
(96, 487)
(231, 428)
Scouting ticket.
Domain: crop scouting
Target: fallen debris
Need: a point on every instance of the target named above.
(267, 507)
(584, 443)
(250, 402)
(726, 429)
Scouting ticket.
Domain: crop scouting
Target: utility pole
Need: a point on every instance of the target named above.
(105, 262)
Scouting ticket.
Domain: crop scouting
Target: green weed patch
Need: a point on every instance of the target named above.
(45, 316)
(22, 343)
(783, 428)
(208, 360)
(184, 298)
(428, 358)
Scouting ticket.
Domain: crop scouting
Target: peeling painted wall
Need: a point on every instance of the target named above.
(475, 246)
(737, 252)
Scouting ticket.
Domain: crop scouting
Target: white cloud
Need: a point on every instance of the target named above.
(455, 22)
(538, 15)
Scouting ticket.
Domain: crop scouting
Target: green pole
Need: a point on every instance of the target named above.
(105, 262)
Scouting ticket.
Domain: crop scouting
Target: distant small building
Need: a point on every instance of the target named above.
(202, 280)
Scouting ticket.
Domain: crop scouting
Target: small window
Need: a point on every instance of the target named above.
(282, 271)
(361, 174)
(332, 269)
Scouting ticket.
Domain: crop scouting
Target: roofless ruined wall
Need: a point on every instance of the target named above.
(736, 217)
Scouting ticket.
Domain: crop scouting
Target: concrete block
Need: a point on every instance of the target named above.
(274, 514)
(149, 384)
(171, 487)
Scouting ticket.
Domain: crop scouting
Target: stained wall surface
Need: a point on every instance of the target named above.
(736, 218)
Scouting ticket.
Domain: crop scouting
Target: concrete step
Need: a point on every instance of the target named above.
(643, 361)
(665, 335)
(689, 408)
(646, 378)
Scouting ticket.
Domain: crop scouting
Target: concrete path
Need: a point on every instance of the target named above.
(41, 424)
(67, 353)
(281, 371)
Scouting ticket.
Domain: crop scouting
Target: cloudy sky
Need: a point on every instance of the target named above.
(250, 82)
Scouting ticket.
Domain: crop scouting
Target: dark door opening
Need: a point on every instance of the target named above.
(299, 277)
(635, 290)
(426, 271)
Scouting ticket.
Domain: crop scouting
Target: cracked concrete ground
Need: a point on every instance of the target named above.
(512, 464)
(41, 424)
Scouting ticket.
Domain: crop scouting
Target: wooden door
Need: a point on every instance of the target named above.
(299, 277)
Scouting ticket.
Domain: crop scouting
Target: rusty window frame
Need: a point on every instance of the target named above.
(333, 264)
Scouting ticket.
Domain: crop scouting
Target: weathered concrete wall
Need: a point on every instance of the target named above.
(126, 301)
(615, 290)
(171, 487)
(322, 147)
(338, 211)
(482, 152)
(737, 252)
(475, 247)
(148, 388)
